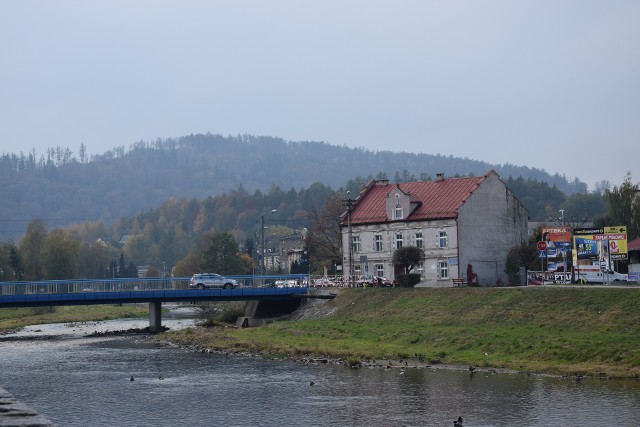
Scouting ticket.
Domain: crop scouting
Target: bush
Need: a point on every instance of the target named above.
(213, 313)
(408, 280)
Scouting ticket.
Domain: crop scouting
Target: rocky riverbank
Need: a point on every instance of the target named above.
(572, 333)
(16, 414)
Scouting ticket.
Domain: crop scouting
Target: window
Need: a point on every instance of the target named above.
(356, 243)
(379, 270)
(442, 239)
(398, 240)
(419, 239)
(377, 242)
(356, 270)
(397, 213)
(443, 269)
(420, 269)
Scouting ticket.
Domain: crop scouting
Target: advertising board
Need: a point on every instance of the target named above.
(605, 243)
(557, 244)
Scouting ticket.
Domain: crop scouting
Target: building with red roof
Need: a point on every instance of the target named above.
(456, 221)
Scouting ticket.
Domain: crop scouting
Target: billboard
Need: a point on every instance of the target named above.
(604, 244)
(558, 242)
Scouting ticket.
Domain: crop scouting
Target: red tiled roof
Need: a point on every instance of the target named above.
(438, 199)
(634, 245)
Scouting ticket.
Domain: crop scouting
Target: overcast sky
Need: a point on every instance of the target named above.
(546, 84)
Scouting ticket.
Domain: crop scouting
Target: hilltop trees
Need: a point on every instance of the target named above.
(66, 184)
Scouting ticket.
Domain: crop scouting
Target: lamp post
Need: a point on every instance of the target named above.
(263, 269)
(349, 202)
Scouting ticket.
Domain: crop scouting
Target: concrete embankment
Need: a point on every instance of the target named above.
(15, 413)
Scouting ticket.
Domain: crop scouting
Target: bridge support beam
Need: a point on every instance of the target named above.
(155, 316)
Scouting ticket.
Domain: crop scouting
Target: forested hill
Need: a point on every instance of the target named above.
(61, 189)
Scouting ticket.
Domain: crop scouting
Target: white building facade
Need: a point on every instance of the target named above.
(456, 222)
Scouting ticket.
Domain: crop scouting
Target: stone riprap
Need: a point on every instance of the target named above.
(16, 414)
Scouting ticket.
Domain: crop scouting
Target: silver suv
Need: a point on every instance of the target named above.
(212, 280)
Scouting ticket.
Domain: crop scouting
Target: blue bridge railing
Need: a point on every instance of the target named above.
(141, 284)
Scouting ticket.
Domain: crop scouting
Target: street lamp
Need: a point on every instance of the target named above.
(263, 269)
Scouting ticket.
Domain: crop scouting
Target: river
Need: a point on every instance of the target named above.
(75, 380)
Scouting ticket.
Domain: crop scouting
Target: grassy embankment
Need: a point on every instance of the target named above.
(560, 331)
(14, 318)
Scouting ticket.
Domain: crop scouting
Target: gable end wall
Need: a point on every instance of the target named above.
(490, 223)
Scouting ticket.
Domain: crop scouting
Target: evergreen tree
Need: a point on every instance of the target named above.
(222, 255)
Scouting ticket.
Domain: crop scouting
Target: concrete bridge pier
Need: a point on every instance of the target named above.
(155, 316)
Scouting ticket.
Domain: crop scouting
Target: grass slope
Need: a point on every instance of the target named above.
(562, 331)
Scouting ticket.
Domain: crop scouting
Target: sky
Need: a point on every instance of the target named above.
(553, 85)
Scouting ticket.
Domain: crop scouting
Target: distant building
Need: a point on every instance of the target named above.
(456, 221)
(291, 248)
(283, 251)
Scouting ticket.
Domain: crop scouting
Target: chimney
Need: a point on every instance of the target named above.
(440, 176)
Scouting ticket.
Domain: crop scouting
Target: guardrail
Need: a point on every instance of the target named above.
(140, 284)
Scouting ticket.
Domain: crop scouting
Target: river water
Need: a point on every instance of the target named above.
(76, 380)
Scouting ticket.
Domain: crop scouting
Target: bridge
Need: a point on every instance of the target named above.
(154, 291)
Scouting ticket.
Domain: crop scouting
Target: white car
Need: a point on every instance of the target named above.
(323, 282)
(286, 283)
(212, 280)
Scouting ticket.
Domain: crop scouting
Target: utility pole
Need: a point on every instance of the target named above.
(349, 202)
(262, 268)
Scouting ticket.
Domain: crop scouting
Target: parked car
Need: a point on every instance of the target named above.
(384, 282)
(212, 280)
(323, 282)
(286, 283)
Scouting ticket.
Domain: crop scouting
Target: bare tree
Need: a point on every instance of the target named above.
(324, 239)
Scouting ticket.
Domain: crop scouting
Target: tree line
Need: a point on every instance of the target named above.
(179, 232)
(63, 186)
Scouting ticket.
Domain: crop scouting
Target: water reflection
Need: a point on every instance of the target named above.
(80, 381)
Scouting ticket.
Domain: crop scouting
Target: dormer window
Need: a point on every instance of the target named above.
(397, 212)
(399, 205)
